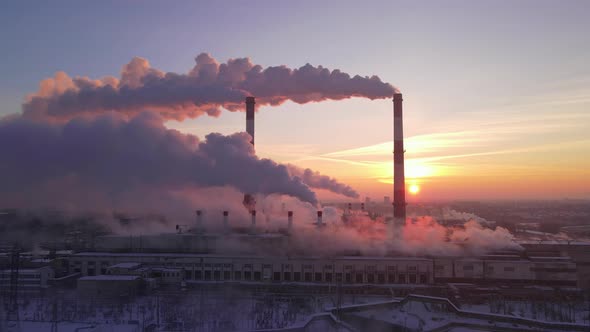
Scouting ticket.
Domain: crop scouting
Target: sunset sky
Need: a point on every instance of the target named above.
(496, 94)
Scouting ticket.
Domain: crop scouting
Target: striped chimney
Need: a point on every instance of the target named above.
(250, 107)
(199, 220)
(249, 200)
(399, 181)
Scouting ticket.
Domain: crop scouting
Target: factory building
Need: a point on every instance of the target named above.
(347, 270)
(203, 257)
(109, 286)
(29, 279)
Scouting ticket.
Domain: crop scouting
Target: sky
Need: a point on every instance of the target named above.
(496, 94)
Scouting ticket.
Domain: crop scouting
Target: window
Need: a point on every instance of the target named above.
(276, 276)
(348, 278)
(217, 275)
(467, 267)
(381, 278)
(338, 277)
(439, 267)
(412, 278)
(318, 277)
(371, 278)
(359, 278)
(248, 275)
(307, 276)
(226, 275)
(423, 279)
(198, 275)
(297, 276)
(401, 278)
(391, 278)
(207, 275)
(287, 276)
(237, 275)
(328, 277)
(509, 269)
(188, 274)
(91, 272)
(257, 276)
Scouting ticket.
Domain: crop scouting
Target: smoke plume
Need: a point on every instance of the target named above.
(207, 88)
(111, 157)
(318, 181)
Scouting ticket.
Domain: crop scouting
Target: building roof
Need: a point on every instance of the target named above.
(109, 277)
(127, 265)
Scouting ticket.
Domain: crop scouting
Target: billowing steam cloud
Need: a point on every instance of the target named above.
(319, 181)
(205, 89)
(44, 163)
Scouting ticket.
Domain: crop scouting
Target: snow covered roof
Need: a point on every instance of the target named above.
(110, 277)
(129, 265)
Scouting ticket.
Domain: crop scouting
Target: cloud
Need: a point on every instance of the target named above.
(318, 181)
(206, 89)
(111, 157)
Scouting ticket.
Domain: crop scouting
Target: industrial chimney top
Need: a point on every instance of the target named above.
(250, 100)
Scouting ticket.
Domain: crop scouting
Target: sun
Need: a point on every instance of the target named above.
(414, 189)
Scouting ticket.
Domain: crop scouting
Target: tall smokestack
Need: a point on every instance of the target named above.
(290, 221)
(399, 180)
(249, 201)
(250, 106)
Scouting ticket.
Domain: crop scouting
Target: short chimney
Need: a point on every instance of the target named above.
(225, 219)
(362, 206)
(320, 221)
(253, 224)
(199, 226)
(290, 220)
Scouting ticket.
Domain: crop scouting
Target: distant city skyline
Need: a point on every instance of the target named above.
(495, 94)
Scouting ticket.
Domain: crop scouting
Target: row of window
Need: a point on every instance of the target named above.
(21, 275)
(380, 278)
(369, 268)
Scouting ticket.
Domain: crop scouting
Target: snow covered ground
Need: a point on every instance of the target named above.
(221, 309)
(204, 309)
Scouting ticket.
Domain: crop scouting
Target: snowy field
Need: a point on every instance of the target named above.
(193, 310)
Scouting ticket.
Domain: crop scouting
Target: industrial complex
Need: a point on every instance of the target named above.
(231, 255)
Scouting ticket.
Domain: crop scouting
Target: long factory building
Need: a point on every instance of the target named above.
(347, 270)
